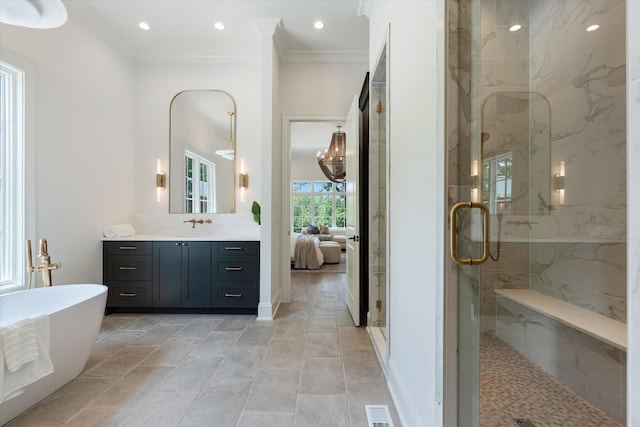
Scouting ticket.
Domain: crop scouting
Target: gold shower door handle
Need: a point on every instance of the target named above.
(453, 241)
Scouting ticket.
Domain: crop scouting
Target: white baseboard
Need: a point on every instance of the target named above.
(265, 311)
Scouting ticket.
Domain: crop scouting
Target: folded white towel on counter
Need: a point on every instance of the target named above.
(24, 364)
(119, 230)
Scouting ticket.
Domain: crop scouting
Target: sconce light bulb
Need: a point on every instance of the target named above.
(474, 194)
(160, 180)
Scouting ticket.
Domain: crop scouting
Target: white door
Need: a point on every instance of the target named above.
(352, 131)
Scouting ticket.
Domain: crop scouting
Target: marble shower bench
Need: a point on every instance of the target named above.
(584, 350)
(611, 331)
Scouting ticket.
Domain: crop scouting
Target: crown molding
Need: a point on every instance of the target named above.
(199, 57)
(326, 57)
(240, 57)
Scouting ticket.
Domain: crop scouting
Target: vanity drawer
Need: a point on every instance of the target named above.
(128, 294)
(245, 297)
(128, 267)
(236, 248)
(123, 247)
(236, 269)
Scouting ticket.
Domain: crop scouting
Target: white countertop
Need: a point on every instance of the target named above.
(190, 238)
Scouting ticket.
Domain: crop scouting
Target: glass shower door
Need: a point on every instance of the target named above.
(535, 128)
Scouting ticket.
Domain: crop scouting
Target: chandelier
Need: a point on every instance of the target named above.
(228, 152)
(333, 161)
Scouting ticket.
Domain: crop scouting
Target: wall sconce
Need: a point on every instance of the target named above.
(161, 180)
(243, 180)
(475, 181)
(558, 183)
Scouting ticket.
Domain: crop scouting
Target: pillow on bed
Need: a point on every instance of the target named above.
(313, 229)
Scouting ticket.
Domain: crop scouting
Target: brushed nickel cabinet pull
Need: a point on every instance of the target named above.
(233, 295)
(233, 248)
(128, 294)
(128, 248)
(233, 268)
(128, 268)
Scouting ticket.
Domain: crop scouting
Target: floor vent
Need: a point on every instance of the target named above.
(378, 416)
(523, 422)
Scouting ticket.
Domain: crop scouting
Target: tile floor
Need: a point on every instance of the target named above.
(309, 367)
(512, 387)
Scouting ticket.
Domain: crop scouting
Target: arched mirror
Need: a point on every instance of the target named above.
(202, 152)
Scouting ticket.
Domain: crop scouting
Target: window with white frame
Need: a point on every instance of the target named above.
(199, 184)
(12, 177)
(497, 183)
(318, 202)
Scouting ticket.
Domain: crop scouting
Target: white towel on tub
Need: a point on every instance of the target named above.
(19, 344)
(20, 363)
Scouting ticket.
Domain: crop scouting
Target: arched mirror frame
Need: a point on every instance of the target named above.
(175, 171)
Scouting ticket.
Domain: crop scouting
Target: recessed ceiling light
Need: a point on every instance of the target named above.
(318, 25)
(144, 26)
(219, 26)
(593, 27)
(515, 27)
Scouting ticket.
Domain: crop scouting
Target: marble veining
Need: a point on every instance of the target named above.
(172, 226)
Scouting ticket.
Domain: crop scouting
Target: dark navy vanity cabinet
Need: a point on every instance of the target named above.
(182, 276)
(236, 273)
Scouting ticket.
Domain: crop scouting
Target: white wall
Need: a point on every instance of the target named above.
(320, 89)
(416, 186)
(84, 155)
(306, 168)
(156, 84)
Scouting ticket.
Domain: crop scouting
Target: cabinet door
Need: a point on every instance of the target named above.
(196, 274)
(167, 274)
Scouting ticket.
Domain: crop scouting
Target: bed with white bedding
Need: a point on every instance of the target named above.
(305, 252)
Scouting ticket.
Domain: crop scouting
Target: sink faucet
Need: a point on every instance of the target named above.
(45, 266)
(197, 221)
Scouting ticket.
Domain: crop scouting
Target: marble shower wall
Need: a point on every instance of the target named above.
(578, 77)
(589, 275)
(583, 78)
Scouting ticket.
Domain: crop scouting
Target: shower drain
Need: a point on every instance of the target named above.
(524, 422)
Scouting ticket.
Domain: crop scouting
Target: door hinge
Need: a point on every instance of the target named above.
(379, 305)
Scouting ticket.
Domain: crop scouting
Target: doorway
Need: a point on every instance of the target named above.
(537, 187)
(304, 137)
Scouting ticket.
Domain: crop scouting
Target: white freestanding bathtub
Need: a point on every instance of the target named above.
(75, 315)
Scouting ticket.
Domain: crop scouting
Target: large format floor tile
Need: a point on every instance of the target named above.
(309, 367)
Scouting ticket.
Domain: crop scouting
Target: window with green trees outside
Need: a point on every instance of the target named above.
(317, 202)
